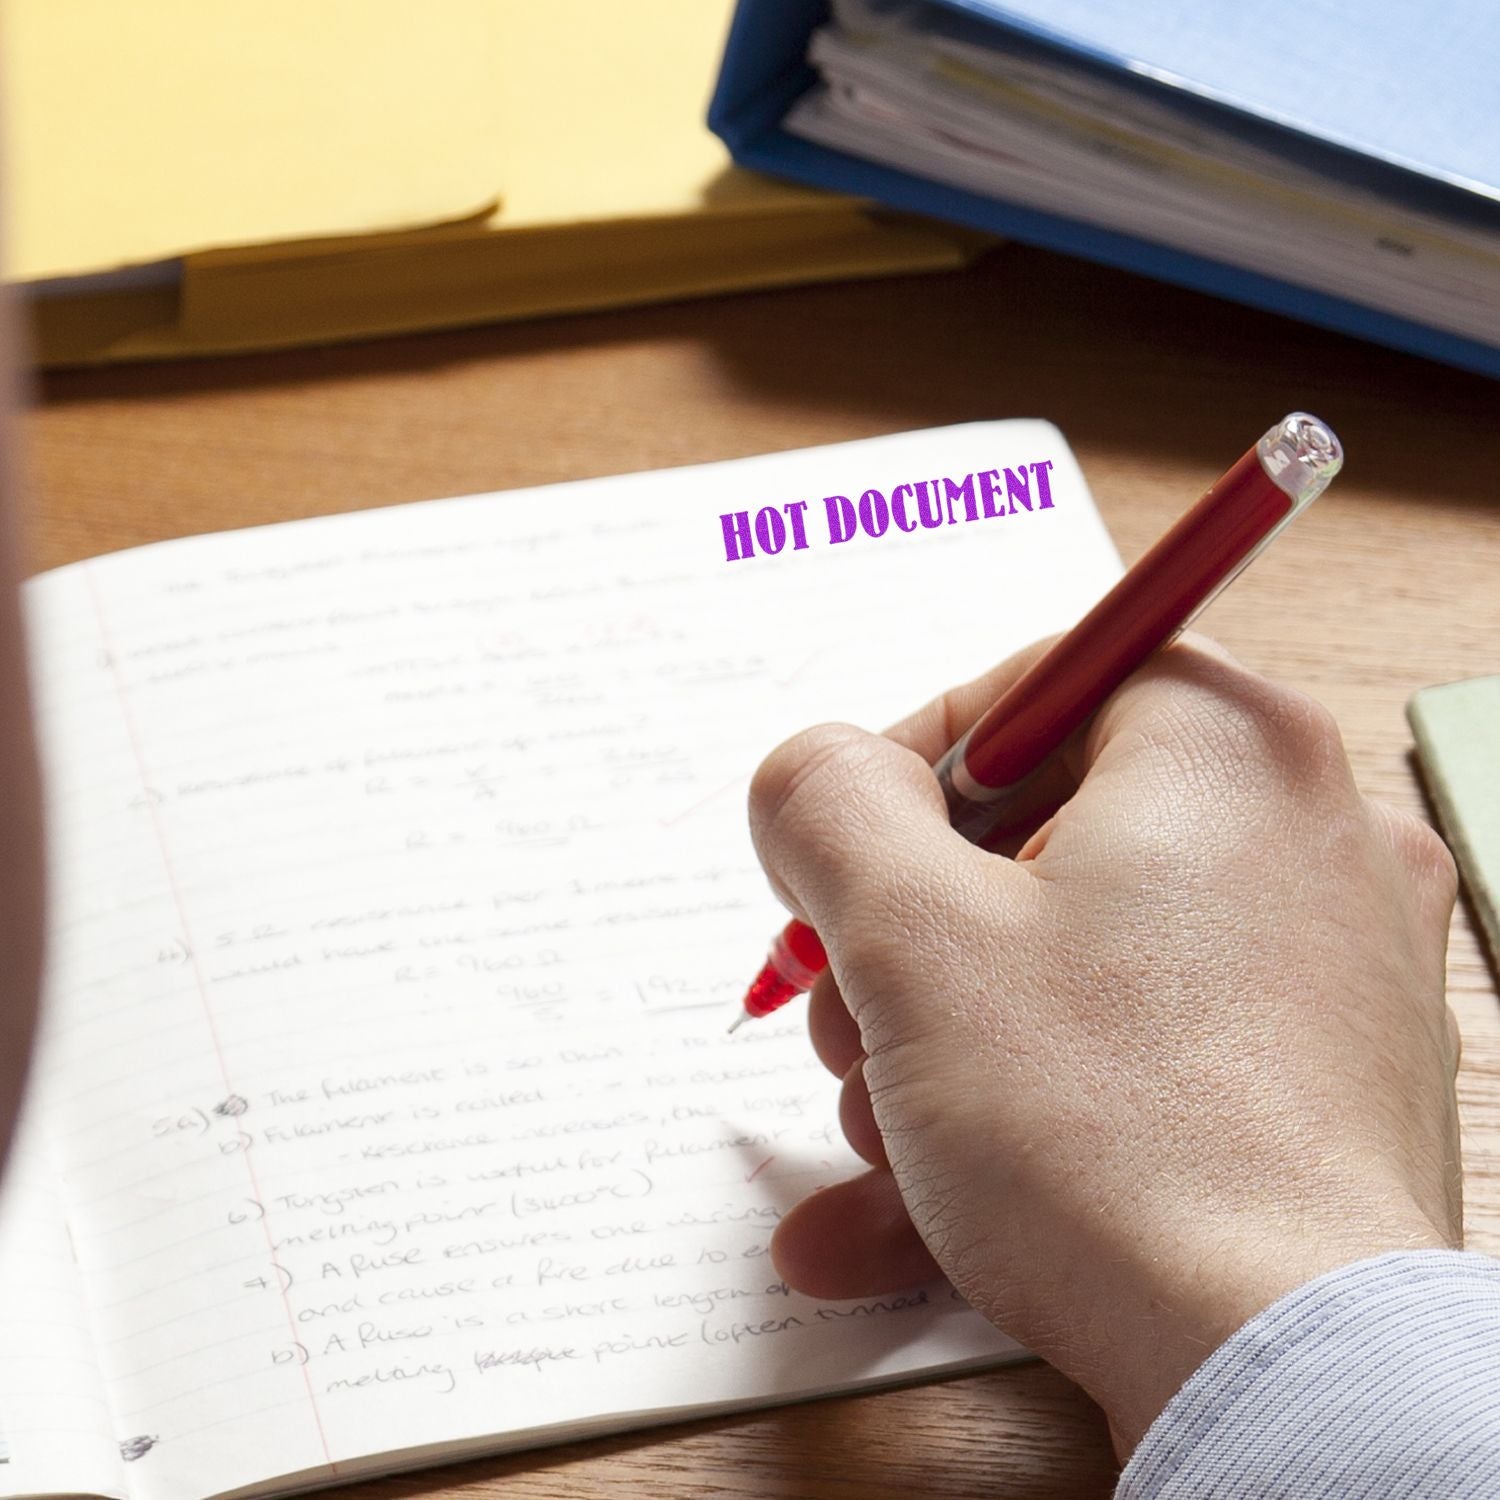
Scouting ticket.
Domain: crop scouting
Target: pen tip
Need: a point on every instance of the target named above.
(738, 1021)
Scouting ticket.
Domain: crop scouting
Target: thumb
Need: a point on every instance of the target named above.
(853, 832)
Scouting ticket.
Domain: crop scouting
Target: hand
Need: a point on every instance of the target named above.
(1187, 1050)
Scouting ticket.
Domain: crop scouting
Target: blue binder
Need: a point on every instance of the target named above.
(1328, 106)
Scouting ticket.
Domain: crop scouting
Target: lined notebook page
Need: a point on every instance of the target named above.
(403, 892)
(56, 1431)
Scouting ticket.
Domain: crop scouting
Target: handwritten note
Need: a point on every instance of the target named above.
(56, 1433)
(402, 894)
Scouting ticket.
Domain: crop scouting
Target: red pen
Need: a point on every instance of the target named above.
(992, 778)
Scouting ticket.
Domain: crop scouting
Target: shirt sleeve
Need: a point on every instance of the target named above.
(1377, 1381)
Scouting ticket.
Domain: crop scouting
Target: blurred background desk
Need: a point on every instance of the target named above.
(1392, 581)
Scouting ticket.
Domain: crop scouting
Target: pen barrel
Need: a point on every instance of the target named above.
(1006, 772)
(798, 955)
(991, 817)
(1064, 689)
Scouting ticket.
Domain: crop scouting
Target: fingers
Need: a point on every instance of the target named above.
(835, 1038)
(853, 832)
(1191, 757)
(857, 1117)
(854, 1239)
(940, 722)
(838, 814)
(944, 719)
(834, 1033)
(1195, 705)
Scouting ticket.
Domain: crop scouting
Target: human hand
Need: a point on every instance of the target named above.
(1188, 1050)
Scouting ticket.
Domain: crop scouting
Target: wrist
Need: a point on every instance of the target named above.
(1181, 1312)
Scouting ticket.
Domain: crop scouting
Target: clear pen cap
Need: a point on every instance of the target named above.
(1300, 455)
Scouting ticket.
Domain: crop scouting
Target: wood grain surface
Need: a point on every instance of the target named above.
(1392, 581)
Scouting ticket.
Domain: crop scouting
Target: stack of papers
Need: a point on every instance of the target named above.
(190, 177)
(987, 110)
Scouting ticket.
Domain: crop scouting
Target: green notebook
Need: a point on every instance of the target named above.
(1457, 727)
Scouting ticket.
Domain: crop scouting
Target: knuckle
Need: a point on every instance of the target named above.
(1423, 852)
(857, 1118)
(1286, 731)
(1291, 726)
(1454, 1036)
(800, 767)
(1307, 725)
(1213, 717)
(813, 836)
(1194, 644)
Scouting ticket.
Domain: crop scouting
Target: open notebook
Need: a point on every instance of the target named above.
(385, 1113)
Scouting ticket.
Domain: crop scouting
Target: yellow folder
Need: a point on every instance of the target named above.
(202, 176)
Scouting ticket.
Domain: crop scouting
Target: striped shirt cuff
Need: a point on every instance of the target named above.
(1380, 1379)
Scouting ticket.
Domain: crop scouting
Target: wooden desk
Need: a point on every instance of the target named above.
(1392, 581)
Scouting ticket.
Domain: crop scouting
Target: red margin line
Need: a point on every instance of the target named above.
(126, 714)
